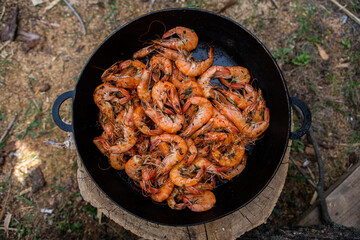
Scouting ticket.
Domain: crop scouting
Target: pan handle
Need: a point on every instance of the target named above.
(55, 111)
(307, 118)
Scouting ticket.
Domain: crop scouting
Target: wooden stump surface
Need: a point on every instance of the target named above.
(229, 227)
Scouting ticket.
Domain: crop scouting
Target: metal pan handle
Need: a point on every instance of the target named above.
(55, 111)
(307, 118)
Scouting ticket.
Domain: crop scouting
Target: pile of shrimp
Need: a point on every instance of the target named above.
(170, 129)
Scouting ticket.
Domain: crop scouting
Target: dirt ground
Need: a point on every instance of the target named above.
(316, 45)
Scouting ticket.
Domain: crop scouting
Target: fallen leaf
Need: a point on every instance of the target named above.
(37, 2)
(322, 53)
(342, 65)
(9, 31)
(7, 221)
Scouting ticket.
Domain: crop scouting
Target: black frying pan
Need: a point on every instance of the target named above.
(234, 45)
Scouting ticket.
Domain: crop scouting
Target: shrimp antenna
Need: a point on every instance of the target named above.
(148, 30)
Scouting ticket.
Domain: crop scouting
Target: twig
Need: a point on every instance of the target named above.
(325, 217)
(8, 129)
(3, 12)
(227, 5)
(350, 14)
(320, 186)
(275, 3)
(77, 15)
(303, 173)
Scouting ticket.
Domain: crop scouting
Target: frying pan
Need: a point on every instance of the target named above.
(234, 45)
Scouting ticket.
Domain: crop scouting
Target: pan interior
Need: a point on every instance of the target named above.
(234, 45)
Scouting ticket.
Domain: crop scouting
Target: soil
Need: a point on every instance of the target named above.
(34, 72)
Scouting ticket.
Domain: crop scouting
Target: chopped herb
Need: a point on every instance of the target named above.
(184, 32)
(232, 102)
(192, 30)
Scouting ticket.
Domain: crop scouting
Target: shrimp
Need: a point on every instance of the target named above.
(145, 51)
(178, 149)
(252, 130)
(181, 176)
(104, 94)
(124, 121)
(192, 68)
(231, 157)
(166, 90)
(187, 40)
(177, 78)
(102, 144)
(166, 123)
(107, 126)
(200, 203)
(164, 191)
(202, 116)
(192, 151)
(190, 89)
(139, 117)
(173, 199)
(212, 72)
(133, 167)
(224, 138)
(113, 69)
(239, 76)
(218, 122)
(255, 129)
(147, 175)
(126, 81)
(234, 171)
(160, 64)
(143, 87)
(117, 161)
(163, 146)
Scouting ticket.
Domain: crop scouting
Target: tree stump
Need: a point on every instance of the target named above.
(229, 227)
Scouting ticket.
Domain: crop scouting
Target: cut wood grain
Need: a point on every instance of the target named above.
(342, 200)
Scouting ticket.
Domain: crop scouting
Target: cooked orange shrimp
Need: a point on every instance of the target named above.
(166, 91)
(103, 95)
(255, 129)
(202, 116)
(164, 191)
(113, 69)
(173, 199)
(117, 161)
(133, 167)
(209, 167)
(163, 146)
(107, 126)
(139, 117)
(218, 122)
(252, 130)
(143, 87)
(166, 123)
(200, 203)
(212, 72)
(147, 177)
(187, 40)
(192, 68)
(142, 144)
(192, 151)
(102, 144)
(224, 138)
(145, 51)
(177, 78)
(234, 171)
(124, 121)
(160, 66)
(126, 81)
(190, 89)
(178, 149)
(239, 76)
(234, 97)
(232, 156)
(181, 176)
